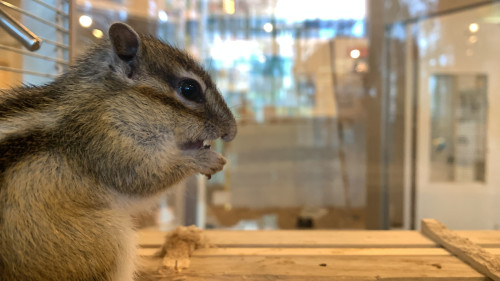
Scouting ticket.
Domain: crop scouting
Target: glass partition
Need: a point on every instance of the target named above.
(442, 82)
(351, 114)
(293, 77)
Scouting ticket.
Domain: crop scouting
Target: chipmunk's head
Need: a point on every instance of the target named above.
(172, 86)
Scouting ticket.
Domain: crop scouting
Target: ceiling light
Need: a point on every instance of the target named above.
(473, 27)
(162, 15)
(268, 27)
(97, 33)
(355, 54)
(85, 21)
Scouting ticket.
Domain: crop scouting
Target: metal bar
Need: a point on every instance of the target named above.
(60, 38)
(19, 31)
(33, 16)
(55, 9)
(35, 55)
(73, 31)
(55, 43)
(16, 70)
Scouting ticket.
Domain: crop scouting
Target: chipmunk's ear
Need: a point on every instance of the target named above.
(125, 41)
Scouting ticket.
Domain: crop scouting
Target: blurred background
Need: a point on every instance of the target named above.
(352, 114)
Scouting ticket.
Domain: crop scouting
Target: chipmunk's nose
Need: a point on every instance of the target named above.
(231, 132)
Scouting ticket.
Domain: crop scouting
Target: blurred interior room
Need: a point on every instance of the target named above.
(351, 114)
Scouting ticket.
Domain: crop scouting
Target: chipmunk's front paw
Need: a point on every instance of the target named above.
(208, 162)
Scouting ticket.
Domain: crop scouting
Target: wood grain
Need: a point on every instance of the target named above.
(317, 256)
(302, 239)
(323, 267)
(315, 252)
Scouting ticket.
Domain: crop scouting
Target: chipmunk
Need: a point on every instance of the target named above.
(131, 118)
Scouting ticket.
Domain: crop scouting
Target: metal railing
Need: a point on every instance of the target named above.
(52, 17)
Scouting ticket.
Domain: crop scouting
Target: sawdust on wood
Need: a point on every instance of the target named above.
(180, 245)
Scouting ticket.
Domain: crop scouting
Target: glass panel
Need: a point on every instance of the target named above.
(296, 89)
(293, 75)
(440, 111)
(458, 127)
(340, 125)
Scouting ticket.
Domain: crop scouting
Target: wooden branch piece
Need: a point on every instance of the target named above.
(469, 252)
(179, 246)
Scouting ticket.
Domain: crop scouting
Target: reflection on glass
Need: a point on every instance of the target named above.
(458, 133)
(296, 90)
(293, 75)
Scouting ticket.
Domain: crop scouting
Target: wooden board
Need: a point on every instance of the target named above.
(318, 255)
(337, 267)
(316, 252)
(484, 238)
(302, 239)
(319, 238)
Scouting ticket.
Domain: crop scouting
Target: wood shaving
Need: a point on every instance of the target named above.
(180, 245)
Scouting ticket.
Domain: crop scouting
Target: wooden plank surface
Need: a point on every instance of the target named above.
(322, 239)
(484, 238)
(473, 254)
(315, 252)
(302, 239)
(316, 267)
(317, 255)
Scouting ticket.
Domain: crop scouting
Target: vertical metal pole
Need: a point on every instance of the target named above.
(72, 30)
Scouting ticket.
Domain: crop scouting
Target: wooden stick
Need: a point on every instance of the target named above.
(469, 252)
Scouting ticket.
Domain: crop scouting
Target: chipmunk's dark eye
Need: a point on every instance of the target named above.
(191, 90)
